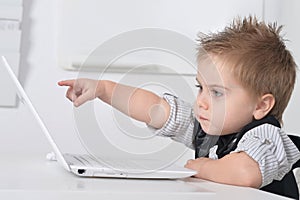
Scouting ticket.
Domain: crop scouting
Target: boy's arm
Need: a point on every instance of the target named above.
(234, 169)
(137, 103)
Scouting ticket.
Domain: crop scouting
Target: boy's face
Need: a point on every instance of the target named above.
(223, 106)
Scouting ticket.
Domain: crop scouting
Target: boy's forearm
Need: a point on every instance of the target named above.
(234, 169)
(137, 103)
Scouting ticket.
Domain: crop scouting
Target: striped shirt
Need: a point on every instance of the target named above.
(267, 144)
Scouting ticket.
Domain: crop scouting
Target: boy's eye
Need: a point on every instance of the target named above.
(217, 93)
(199, 86)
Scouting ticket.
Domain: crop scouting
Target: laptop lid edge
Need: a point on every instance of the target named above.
(24, 98)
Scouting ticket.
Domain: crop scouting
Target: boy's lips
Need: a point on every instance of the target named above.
(202, 118)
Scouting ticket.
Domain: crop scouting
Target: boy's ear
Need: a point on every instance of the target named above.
(264, 106)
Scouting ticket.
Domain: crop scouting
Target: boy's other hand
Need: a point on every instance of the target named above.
(197, 164)
(80, 90)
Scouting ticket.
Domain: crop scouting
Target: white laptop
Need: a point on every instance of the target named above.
(89, 166)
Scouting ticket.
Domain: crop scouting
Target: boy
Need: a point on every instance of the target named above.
(245, 79)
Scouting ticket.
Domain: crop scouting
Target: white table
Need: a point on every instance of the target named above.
(33, 177)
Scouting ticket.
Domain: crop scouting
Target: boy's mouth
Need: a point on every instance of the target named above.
(202, 118)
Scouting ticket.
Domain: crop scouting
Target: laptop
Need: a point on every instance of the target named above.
(86, 165)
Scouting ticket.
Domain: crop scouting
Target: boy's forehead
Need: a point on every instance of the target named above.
(214, 71)
(211, 71)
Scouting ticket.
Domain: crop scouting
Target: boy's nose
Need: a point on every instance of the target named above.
(203, 101)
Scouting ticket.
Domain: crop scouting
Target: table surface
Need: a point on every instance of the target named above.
(33, 177)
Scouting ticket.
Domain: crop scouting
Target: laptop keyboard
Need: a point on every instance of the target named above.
(89, 161)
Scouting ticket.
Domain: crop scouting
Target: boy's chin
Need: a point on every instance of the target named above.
(216, 133)
(213, 131)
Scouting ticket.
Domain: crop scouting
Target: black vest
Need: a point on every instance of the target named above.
(228, 143)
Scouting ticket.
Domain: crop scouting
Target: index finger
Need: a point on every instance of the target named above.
(66, 82)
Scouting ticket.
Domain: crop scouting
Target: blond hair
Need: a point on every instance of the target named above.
(258, 56)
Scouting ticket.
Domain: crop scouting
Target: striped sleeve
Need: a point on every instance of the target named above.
(180, 123)
(272, 149)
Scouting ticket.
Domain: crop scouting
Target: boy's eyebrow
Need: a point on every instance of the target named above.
(213, 85)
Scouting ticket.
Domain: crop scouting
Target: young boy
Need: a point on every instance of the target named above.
(245, 79)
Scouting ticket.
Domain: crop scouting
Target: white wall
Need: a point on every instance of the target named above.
(39, 73)
(289, 17)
